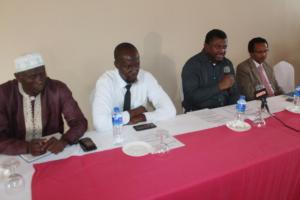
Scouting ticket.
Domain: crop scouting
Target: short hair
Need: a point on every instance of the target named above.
(215, 33)
(122, 46)
(254, 41)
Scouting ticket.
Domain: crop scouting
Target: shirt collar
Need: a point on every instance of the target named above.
(256, 63)
(120, 80)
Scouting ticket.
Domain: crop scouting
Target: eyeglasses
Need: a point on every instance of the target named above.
(262, 51)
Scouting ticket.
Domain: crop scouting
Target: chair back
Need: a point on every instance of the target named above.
(285, 76)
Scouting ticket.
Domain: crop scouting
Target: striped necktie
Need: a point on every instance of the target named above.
(265, 80)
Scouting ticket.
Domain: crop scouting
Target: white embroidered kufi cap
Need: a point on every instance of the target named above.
(28, 61)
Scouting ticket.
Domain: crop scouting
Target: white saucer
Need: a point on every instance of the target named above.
(293, 109)
(137, 149)
(241, 127)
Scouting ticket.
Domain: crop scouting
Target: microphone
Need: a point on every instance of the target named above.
(226, 70)
(262, 94)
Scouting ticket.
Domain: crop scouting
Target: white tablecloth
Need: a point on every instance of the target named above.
(180, 124)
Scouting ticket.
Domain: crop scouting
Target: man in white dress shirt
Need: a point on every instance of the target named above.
(129, 88)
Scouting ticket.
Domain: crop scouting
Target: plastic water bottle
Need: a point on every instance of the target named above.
(297, 97)
(240, 109)
(117, 122)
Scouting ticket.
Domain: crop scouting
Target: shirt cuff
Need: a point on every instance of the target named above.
(125, 117)
(148, 116)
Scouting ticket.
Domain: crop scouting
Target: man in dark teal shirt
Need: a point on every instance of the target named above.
(208, 77)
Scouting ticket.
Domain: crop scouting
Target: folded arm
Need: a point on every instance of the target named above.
(164, 108)
(73, 116)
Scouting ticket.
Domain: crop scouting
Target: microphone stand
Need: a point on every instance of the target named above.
(259, 121)
(264, 104)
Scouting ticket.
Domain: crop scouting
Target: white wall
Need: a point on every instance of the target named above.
(77, 38)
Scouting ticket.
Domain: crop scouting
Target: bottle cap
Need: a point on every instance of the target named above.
(116, 109)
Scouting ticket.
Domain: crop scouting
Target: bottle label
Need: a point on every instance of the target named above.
(120, 121)
(241, 107)
(117, 120)
(297, 91)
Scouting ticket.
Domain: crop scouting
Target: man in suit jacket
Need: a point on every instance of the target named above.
(256, 71)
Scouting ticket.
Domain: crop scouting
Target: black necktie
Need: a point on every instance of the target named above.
(127, 98)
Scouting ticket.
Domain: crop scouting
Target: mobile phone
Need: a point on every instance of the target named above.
(144, 126)
(87, 144)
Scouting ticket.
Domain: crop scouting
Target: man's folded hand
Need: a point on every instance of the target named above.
(137, 111)
(137, 119)
(55, 146)
(36, 147)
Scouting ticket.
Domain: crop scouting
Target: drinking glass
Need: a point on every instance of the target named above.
(162, 148)
(15, 182)
(259, 121)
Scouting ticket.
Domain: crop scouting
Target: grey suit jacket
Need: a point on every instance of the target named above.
(247, 77)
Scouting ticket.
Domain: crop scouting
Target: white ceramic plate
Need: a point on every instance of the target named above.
(293, 109)
(243, 126)
(137, 149)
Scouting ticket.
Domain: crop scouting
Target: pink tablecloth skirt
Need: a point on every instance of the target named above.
(215, 164)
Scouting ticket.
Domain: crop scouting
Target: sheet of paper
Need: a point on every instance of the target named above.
(276, 104)
(211, 116)
(184, 123)
(153, 137)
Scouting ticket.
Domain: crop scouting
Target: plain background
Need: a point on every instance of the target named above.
(77, 38)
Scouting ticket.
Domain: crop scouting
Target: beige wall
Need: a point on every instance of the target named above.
(77, 38)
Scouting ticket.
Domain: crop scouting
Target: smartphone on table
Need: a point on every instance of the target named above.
(144, 126)
(87, 144)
